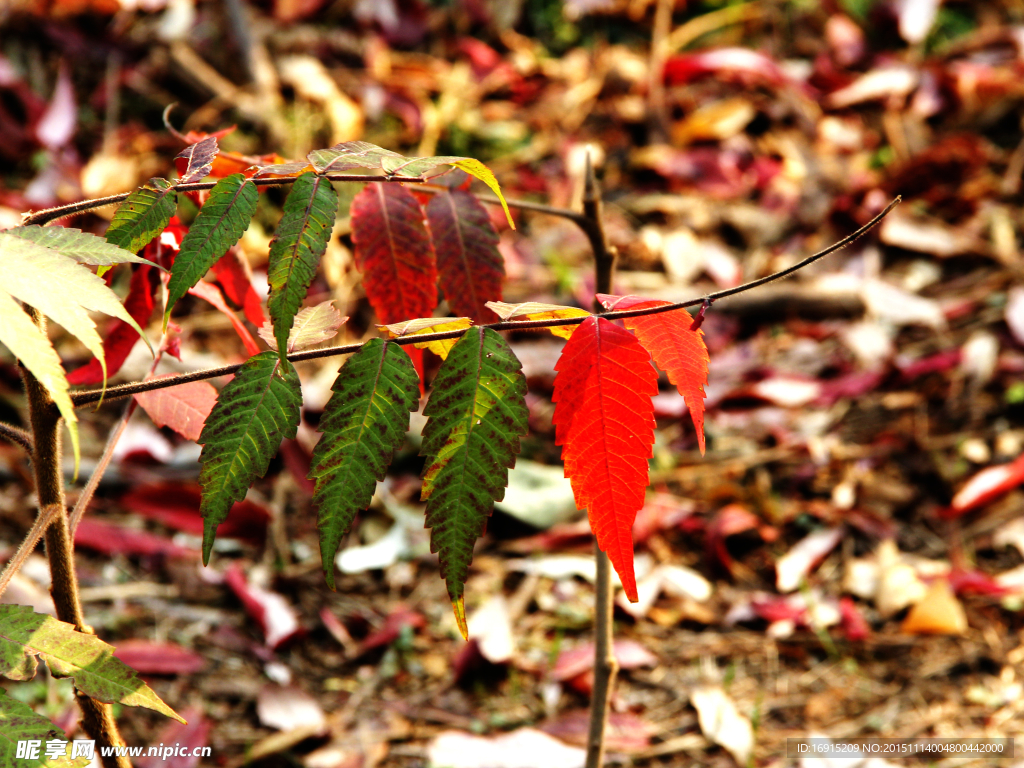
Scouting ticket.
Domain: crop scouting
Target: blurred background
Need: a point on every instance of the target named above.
(847, 558)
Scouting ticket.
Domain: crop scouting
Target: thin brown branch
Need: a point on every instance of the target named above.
(16, 435)
(28, 544)
(52, 214)
(125, 390)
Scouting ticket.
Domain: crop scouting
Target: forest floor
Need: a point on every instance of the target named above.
(847, 559)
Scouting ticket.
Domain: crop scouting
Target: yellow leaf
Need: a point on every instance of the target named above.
(482, 172)
(533, 310)
(425, 325)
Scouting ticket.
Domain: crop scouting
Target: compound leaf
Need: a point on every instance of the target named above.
(255, 411)
(299, 242)
(26, 637)
(677, 348)
(604, 419)
(394, 253)
(475, 417)
(471, 268)
(364, 422)
(143, 215)
(220, 224)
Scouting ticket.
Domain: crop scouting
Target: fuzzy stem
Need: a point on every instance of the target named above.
(97, 717)
(16, 435)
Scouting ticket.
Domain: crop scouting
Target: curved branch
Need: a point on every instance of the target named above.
(17, 435)
(126, 390)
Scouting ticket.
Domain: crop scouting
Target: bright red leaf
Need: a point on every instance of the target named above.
(604, 420)
(183, 408)
(394, 253)
(676, 348)
(234, 278)
(212, 294)
(121, 338)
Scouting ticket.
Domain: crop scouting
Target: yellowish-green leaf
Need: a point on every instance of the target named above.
(20, 335)
(26, 637)
(533, 310)
(425, 325)
(482, 172)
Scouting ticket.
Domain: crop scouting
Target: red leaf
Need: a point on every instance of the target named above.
(189, 736)
(468, 260)
(121, 338)
(177, 506)
(986, 486)
(151, 658)
(270, 610)
(394, 253)
(729, 520)
(853, 623)
(234, 277)
(605, 421)
(212, 294)
(400, 617)
(115, 540)
(183, 408)
(677, 348)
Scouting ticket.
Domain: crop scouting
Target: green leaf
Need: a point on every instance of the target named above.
(364, 422)
(254, 412)
(19, 722)
(220, 224)
(30, 345)
(475, 417)
(26, 637)
(312, 325)
(299, 242)
(83, 247)
(143, 215)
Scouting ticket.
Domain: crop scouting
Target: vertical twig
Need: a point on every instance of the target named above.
(605, 666)
(97, 717)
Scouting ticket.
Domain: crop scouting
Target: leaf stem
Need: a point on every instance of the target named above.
(94, 395)
(97, 717)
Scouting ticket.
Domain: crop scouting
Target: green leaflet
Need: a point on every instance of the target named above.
(26, 637)
(476, 415)
(365, 421)
(143, 215)
(18, 722)
(83, 247)
(221, 221)
(254, 412)
(299, 242)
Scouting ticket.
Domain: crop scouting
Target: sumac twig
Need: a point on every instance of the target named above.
(125, 390)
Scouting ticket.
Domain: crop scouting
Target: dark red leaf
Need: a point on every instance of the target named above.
(192, 735)
(394, 253)
(115, 540)
(471, 268)
(853, 623)
(212, 294)
(232, 272)
(177, 506)
(119, 340)
(400, 617)
(727, 521)
(149, 658)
